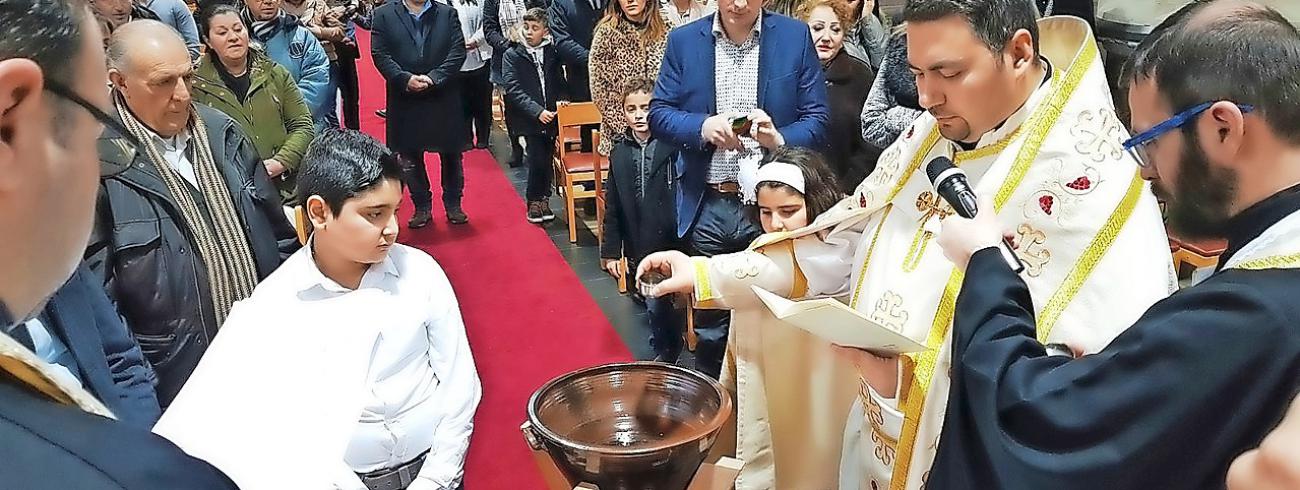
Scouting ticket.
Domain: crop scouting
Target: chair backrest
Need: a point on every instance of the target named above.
(301, 224)
(577, 114)
(600, 181)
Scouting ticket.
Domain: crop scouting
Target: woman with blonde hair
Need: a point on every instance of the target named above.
(628, 43)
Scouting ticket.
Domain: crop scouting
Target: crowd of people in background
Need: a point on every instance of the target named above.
(721, 120)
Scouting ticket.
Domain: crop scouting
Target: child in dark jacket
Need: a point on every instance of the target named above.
(640, 216)
(534, 87)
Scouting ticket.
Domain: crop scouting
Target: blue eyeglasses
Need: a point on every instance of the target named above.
(1136, 146)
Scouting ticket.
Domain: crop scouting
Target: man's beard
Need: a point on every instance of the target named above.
(1199, 208)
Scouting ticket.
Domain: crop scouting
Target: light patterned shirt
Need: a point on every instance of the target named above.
(676, 18)
(511, 15)
(735, 72)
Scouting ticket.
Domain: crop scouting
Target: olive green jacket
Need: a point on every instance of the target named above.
(274, 115)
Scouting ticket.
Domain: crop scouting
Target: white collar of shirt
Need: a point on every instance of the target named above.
(174, 152)
(721, 34)
(311, 276)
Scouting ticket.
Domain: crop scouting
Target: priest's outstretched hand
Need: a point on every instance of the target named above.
(961, 237)
(675, 265)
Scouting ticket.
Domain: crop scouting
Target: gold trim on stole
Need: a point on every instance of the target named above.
(1291, 261)
(1040, 124)
(857, 290)
(1091, 256)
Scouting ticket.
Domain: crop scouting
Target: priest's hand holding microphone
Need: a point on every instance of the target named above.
(961, 236)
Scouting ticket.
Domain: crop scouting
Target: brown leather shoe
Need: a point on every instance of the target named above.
(457, 217)
(420, 219)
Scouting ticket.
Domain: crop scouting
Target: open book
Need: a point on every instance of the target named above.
(838, 324)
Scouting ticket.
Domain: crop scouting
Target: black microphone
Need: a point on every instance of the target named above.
(951, 184)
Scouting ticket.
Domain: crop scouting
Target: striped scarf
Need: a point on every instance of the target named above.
(218, 233)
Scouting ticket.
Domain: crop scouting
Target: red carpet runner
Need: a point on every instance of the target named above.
(528, 316)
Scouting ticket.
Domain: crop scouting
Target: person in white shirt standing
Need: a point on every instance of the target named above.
(349, 366)
(475, 73)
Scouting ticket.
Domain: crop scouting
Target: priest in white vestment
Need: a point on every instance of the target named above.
(1031, 123)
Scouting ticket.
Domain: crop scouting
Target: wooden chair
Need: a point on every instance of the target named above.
(302, 224)
(599, 189)
(600, 215)
(575, 169)
(1198, 255)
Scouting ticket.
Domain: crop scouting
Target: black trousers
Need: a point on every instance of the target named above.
(476, 92)
(350, 91)
(724, 226)
(417, 179)
(537, 155)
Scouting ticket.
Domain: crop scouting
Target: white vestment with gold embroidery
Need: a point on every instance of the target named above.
(1085, 223)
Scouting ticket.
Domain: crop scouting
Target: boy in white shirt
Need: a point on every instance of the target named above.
(348, 367)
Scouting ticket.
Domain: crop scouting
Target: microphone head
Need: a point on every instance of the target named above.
(937, 167)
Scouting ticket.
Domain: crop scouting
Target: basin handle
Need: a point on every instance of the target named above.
(530, 436)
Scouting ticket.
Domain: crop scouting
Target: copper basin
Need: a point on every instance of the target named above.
(632, 426)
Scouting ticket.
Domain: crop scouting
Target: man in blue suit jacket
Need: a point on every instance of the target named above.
(741, 62)
(81, 330)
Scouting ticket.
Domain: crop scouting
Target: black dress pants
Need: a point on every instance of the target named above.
(540, 172)
(724, 226)
(350, 91)
(476, 92)
(417, 179)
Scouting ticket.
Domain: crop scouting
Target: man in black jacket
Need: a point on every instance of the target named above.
(639, 219)
(418, 48)
(188, 222)
(52, 101)
(573, 24)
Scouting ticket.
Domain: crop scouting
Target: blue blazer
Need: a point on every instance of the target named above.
(791, 89)
(108, 359)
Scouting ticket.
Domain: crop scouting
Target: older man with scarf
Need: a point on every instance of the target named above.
(188, 222)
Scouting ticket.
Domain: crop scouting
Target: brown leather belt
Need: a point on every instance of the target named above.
(726, 187)
(397, 478)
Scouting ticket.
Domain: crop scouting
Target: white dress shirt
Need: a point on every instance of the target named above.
(174, 152)
(470, 13)
(423, 386)
(310, 382)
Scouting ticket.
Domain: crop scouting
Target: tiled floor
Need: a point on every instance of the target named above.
(627, 317)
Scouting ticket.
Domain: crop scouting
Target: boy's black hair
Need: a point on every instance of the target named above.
(538, 15)
(341, 164)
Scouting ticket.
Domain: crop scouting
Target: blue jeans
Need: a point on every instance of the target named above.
(724, 226)
(330, 113)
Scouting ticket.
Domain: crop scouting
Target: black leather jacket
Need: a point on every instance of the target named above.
(146, 257)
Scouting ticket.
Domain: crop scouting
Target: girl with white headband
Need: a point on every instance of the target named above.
(794, 186)
(802, 411)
